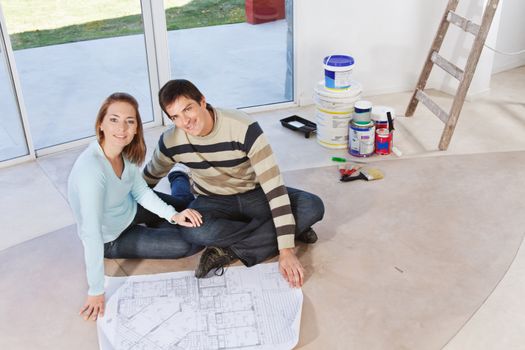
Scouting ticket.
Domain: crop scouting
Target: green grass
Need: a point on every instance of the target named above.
(196, 13)
(205, 13)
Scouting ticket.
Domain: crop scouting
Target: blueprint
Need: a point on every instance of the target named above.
(246, 308)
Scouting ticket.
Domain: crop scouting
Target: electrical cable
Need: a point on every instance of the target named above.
(505, 53)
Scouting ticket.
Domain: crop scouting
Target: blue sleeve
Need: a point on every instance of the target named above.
(148, 199)
(88, 203)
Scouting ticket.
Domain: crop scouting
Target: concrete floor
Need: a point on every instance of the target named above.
(33, 205)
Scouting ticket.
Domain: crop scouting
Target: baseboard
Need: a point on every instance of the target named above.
(507, 66)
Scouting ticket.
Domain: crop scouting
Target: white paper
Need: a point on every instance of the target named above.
(248, 308)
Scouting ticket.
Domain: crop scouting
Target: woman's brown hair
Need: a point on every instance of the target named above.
(135, 152)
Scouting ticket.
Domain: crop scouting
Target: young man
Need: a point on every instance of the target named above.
(248, 213)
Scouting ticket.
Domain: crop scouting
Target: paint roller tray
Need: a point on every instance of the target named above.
(297, 123)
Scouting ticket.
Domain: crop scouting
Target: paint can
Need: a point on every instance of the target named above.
(362, 111)
(383, 141)
(334, 111)
(338, 71)
(362, 138)
(379, 116)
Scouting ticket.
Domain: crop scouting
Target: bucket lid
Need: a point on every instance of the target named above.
(379, 113)
(353, 91)
(338, 60)
(362, 104)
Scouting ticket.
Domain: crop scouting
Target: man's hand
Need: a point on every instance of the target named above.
(291, 268)
(93, 308)
(188, 218)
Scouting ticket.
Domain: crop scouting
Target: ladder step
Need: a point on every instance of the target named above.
(448, 67)
(433, 106)
(463, 23)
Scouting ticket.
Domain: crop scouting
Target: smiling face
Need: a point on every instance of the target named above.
(119, 124)
(191, 116)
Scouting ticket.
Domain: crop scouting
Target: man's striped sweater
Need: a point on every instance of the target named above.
(234, 158)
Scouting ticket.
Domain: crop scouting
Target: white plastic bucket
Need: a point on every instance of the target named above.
(338, 71)
(379, 116)
(334, 111)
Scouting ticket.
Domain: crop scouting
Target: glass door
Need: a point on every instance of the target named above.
(239, 53)
(70, 55)
(13, 142)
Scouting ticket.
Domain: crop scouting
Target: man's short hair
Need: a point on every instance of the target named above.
(176, 88)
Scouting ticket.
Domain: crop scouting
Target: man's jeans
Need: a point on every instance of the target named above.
(158, 239)
(244, 222)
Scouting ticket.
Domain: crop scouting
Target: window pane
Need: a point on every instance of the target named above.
(12, 140)
(70, 55)
(239, 53)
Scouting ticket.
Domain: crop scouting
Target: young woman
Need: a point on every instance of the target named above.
(110, 200)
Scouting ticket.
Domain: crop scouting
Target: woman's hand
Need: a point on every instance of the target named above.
(93, 308)
(188, 218)
(291, 267)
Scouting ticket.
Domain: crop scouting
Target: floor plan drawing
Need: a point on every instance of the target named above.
(246, 308)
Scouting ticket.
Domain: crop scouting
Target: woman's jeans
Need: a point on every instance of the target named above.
(152, 237)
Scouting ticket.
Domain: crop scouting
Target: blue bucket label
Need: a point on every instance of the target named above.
(337, 80)
(361, 139)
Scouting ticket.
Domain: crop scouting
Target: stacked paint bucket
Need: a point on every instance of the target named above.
(371, 130)
(335, 98)
(383, 118)
(362, 130)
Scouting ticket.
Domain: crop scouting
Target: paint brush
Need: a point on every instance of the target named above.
(390, 121)
(368, 174)
(348, 169)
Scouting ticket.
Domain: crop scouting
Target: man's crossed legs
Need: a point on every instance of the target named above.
(241, 226)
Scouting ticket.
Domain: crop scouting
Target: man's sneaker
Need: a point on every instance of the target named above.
(214, 258)
(309, 236)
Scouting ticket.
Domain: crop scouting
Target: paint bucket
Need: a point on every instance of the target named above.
(334, 110)
(383, 141)
(379, 116)
(362, 138)
(338, 71)
(362, 110)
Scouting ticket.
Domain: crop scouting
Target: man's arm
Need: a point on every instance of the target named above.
(159, 165)
(269, 176)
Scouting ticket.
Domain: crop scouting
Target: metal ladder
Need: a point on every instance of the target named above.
(463, 76)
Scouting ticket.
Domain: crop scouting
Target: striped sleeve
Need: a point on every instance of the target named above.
(159, 165)
(263, 162)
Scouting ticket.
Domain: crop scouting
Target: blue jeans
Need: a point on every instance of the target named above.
(244, 223)
(158, 239)
(180, 189)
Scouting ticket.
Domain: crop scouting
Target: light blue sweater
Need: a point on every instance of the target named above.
(104, 205)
